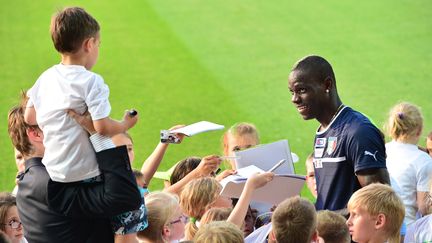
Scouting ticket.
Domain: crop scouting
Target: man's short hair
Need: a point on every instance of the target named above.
(70, 27)
(317, 66)
(17, 127)
(294, 220)
(332, 227)
(379, 198)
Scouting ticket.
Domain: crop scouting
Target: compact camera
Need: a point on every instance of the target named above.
(167, 137)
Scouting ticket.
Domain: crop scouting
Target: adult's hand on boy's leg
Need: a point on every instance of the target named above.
(84, 120)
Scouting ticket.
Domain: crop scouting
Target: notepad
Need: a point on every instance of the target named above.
(274, 192)
(266, 156)
(199, 127)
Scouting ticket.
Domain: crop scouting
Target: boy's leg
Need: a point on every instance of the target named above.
(126, 225)
(115, 194)
(44, 225)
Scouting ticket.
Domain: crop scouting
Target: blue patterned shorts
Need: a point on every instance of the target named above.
(130, 222)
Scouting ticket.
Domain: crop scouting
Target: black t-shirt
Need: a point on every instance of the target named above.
(350, 143)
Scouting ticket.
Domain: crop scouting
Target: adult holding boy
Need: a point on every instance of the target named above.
(41, 223)
(81, 184)
(349, 150)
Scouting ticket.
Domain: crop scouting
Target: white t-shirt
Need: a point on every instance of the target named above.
(259, 235)
(411, 169)
(69, 155)
(420, 230)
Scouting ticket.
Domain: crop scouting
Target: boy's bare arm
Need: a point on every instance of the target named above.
(30, 115)
(109, 127)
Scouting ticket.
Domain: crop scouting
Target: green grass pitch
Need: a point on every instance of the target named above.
(179, 62)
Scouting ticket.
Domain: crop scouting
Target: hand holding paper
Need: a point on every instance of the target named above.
(225, 174)
(259, 180)
(179, 135)
(208, 165)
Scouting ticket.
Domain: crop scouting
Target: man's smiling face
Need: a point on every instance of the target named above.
(308, 94)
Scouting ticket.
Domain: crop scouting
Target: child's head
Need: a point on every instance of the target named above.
(250, 220)
(429, 143)
(197, 197)
(215, 214)
(10, 222)
(376, 212)
(166, 221)
(294, 220)
(121, 139)
(183, 168)
(332, 227)
(310, 175)
(219, 232)
(240, 136)
(405, 122)
(74, 30)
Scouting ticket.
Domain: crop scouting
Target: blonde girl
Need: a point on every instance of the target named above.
(202, 194)
(197, 197)
(407, 165)
(166, 222)
(240, 136)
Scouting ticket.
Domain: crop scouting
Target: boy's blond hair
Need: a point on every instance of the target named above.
(195, 198)
(219, 232)
(332, 227)
(404, 122)
(70, 27)
(294, 220)
(377, 199)
(161, 207)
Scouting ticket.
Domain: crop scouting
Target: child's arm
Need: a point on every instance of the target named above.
(207, 165)
(153, 161)
(108, 127)
(254, 182)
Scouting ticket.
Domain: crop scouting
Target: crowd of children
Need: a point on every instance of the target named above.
(78, 184)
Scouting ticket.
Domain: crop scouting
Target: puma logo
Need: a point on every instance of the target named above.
(371, 154)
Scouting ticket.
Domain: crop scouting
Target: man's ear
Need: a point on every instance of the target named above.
(380, 221)
(34, 134)
(328, 83)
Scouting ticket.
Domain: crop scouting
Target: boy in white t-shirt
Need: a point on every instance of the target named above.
(69, 157)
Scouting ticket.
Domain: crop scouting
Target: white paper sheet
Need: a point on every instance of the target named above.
(199, 127)
(266, 156)
(274, 192)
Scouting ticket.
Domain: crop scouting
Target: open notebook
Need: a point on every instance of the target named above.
(266, 156)
(280, 188)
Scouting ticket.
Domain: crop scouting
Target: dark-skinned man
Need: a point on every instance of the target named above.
(349, 151)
